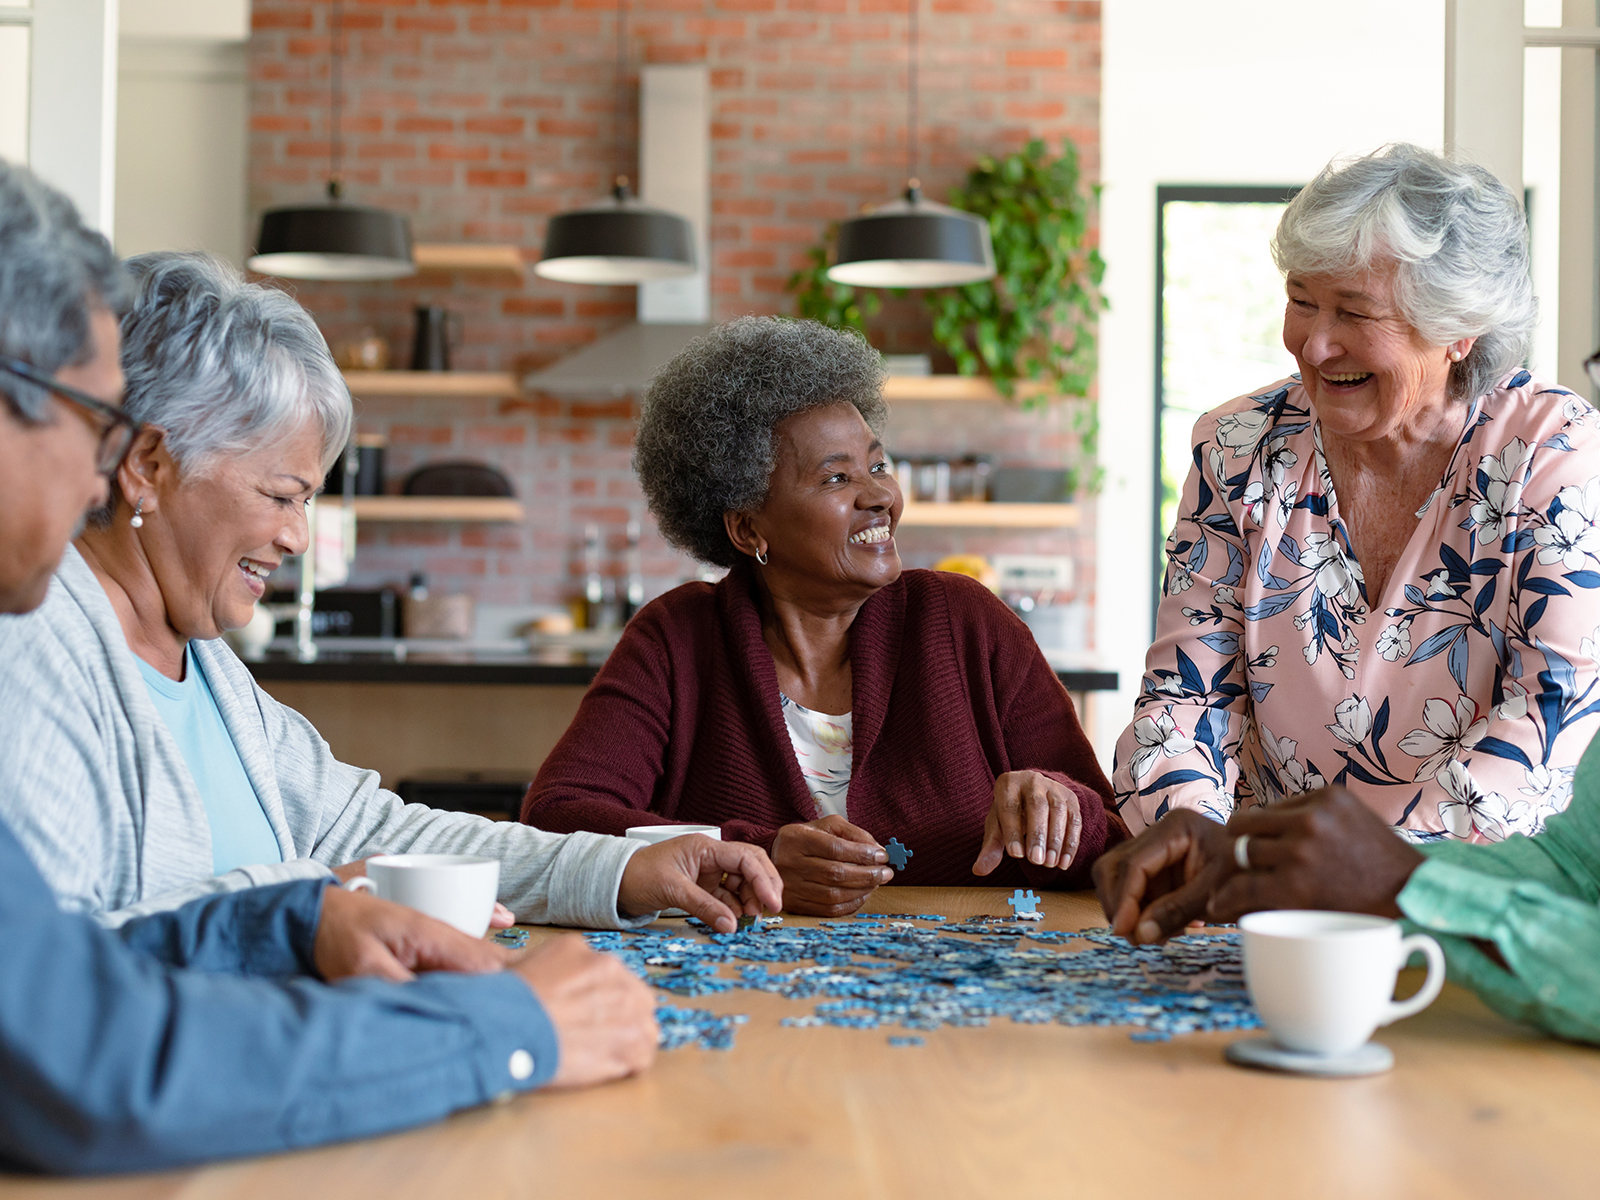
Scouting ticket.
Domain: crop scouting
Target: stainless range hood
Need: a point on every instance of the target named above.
(618, 364)
(674, 174)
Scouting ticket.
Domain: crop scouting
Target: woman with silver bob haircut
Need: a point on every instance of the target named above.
(224, 367)
(1381, 579)
(820, 702)
(138, 758)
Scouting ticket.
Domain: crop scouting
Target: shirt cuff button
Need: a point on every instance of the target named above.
(521, 1065)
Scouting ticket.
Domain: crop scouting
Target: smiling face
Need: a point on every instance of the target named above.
(1368, 372)
(213, 537)
(827, 527)
(47, 474)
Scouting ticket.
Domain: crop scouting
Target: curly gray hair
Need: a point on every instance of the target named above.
(1455, 234)
(54, 272)
(708, 433)
(226, 366)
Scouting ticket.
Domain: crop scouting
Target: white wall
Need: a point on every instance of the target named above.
(1253, 92)
(183, 111)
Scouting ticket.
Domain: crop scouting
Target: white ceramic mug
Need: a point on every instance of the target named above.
(1323, 981)
(458, 889)
(662, 833)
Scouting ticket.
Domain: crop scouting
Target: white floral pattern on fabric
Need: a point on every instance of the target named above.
(1456, 704)
(824, 747)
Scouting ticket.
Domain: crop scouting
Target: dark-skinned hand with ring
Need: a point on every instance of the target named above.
(1323, 850)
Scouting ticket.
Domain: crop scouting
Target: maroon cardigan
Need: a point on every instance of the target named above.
(683, 724)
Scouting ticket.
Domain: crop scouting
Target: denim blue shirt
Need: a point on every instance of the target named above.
(183, 1037)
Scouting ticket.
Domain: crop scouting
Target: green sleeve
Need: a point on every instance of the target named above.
(1551, 942)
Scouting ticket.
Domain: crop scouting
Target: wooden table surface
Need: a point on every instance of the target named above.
(1476, 1106)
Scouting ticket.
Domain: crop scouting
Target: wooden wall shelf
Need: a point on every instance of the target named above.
(476, 257)
(431, 508)
(493, 385)
(991, 516)
(962, 388)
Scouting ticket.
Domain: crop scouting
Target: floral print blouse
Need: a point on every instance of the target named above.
(1457, 704)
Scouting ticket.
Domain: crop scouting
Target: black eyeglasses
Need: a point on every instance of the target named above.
(118, 429)
(1592, 365)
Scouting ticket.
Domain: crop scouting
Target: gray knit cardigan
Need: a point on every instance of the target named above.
(95, 787)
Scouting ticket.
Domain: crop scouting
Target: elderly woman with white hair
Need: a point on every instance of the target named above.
(1384, 569)
(140, 765)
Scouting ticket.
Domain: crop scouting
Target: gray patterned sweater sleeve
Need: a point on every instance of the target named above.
(96, 789)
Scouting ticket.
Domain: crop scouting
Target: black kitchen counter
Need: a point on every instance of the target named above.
(467, 666)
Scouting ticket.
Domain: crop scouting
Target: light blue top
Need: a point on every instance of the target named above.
(241, 835)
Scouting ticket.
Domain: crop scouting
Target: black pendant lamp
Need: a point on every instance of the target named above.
(620, 239)
(912, 242)
(334, 241)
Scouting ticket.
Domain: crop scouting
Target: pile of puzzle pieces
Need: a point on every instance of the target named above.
(917, 972)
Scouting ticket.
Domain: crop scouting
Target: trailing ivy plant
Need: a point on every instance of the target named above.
(1035, 320)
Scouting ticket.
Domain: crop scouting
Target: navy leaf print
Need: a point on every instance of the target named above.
(1583, 579)
(1485, 598)
(1171, 779)
(1500, 749)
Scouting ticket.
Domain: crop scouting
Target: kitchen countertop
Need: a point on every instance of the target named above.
(496, 665)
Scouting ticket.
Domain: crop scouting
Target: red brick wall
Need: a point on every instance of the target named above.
(481, 118)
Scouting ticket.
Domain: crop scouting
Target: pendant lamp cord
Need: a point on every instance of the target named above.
(620, 188)
(336, 139)
(912, 184)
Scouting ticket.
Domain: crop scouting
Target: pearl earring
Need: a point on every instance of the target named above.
(138, 521)
(1455, 356)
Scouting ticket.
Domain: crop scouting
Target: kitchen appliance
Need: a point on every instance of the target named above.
(433, 341)
(345, 612)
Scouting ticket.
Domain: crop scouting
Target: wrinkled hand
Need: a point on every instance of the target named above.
(501, 918)
(604, 1015)
(712, 880)
(1325, 850)
(829, 867)
(1033, 816)
(1154, 885)
(359, 934)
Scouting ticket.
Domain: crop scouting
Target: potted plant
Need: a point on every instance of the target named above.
(1034, 322)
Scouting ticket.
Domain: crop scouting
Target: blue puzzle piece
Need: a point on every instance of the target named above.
(1024, 903)
(898, 854)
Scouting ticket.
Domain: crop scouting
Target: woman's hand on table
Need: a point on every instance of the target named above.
(359, 934)
(715, 881)
(603, 1014)
(829, 867)
(1032, 817)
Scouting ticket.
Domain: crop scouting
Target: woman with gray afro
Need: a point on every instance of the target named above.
(820, 701)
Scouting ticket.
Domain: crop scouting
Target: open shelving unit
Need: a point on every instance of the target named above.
(968, 389)
(991, 516)
(492, 385)
(397, 509)
(476, 257)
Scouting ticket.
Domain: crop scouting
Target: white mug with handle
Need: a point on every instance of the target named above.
(458, 889)
(1323, 982)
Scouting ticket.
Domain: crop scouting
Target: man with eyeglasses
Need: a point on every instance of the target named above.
(183, 1037)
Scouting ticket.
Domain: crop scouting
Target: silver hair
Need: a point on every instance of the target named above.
(708, 431)
(226, 366)
(1455, 236)
(54, 273)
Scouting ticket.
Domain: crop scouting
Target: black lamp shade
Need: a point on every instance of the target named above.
(913, 243)
(617, 241)
(334, 241)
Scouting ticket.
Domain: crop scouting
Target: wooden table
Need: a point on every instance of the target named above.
(1476, 1106)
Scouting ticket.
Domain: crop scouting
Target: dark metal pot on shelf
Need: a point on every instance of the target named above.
(430, 348)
